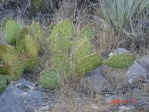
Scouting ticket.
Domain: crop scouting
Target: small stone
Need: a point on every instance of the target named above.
(126, 108)
(95, 81)
(136, 72)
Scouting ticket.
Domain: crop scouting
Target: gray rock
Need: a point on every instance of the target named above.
(95, 81)
(18, 97)
(118, 51)
(136, 72)
(126, 108)
(109, 99)
(144, 62)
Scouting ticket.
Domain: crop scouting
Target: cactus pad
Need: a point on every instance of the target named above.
(11, 30)
(49, 79)
(120, 61)
(88, 63)
(64, 28)
(31, 47)
(82, 49)
(20, 42)
(60, 36)
(86, 32)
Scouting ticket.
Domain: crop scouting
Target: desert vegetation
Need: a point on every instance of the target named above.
(60, 51)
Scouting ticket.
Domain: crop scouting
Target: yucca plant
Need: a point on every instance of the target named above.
(119, 13)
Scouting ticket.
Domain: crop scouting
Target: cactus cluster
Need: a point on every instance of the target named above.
(83, 57)
(69, 51)
(22, 55)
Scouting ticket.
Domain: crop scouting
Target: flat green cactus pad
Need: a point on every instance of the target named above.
(60, 44)
(120, 61)
(10, 56)
(64, 28)
(60, 36)
(36, 33)
(88, 63)
(11, 30)
(3, 82)
(49, 79)
(86, 32)
(12, 60)
(31, 47)
(7, 49)
(20, 42)
(82, 49)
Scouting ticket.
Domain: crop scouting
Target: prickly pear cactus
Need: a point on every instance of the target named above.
(49, 79)
(11, 29)
(120, 61)
(31, 47)
(20, 42)
(84, 56)
(82, 49)
(86, 32)
(88, 63)
(60, 36)
(13, 61)
(3, 82)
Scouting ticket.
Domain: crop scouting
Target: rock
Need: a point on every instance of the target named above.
(95, 82)
(109, 99)
(118, 51)
(138, 71)
(144, 62)
(20, 97)
(126, 108)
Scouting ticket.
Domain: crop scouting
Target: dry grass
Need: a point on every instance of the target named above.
(69, 99)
